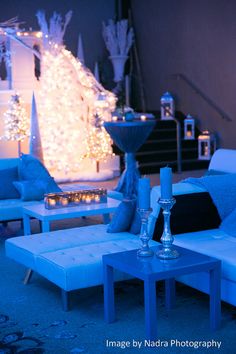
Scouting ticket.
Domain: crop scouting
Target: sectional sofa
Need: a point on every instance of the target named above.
(11, 208)
(63, 256)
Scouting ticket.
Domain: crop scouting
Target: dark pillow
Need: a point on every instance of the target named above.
(136, 223)
(35, 190)
(123, 216)
(31, 168)
(7, 189)
(191, 212)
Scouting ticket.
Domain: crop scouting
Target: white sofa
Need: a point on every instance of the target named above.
(72, 259)
(213, 242)
(11, 209)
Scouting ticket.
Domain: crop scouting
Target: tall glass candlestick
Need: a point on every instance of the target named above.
(167, 251)
(144, 251)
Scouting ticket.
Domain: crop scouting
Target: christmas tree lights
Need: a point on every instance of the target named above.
(68, 104)
(16, 121)
(98, 142)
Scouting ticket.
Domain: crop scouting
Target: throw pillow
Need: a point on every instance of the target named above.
(228, 225)
(7, 189)
(136, 224)
(191, 212)
(214, 173)
(35, 190)
(31, 168)
(123, 216)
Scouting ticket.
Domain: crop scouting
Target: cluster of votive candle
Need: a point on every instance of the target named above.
(75, 198)
(144, 188)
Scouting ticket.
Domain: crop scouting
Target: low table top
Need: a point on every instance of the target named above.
(156, 269)
(40, 212)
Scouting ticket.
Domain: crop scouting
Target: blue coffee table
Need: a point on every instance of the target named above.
(154, 269)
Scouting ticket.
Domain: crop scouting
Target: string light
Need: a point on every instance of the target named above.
(67, 108)
(16, 121)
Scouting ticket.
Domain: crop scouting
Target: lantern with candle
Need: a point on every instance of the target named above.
(206, 145)
(167, 106)
(189, 128)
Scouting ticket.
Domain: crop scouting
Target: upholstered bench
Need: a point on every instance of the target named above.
(71, 259)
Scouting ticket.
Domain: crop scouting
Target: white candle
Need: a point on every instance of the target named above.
(166, 182)
(144, 189)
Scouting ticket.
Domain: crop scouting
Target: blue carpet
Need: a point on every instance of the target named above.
(32, 321)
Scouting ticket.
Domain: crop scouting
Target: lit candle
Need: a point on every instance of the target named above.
(64, 201)
(114, 118)
(97, 198)
(189, 133)
(144, 189)
(51, 202)
(166, 182)
(143, 117)
(88, 200)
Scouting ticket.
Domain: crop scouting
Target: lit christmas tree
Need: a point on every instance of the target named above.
(67, 103)
(16, 121)
(98, 142)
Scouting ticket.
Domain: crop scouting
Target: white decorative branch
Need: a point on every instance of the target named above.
(56, 30)
(118, 38)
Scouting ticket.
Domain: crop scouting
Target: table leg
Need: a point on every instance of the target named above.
(215, 300)
(106, 218)
(26, 223)
(150, 309)
(65, 300)
(45, 226)
(109, 303)
(169, 293)
(28, 276)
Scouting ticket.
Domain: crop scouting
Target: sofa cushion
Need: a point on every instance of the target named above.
(191, 212)
(31, 168)
(24, 248)
(35, 189)
(215, 243)
(7, 188)
(81, 266)
(11, 209)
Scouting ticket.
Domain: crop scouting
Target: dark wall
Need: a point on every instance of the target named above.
(198, 39)
(87, 19)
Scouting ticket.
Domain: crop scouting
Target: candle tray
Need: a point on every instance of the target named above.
(75, 198)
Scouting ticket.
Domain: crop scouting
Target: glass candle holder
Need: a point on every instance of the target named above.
(144, 251)
(167, 251)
